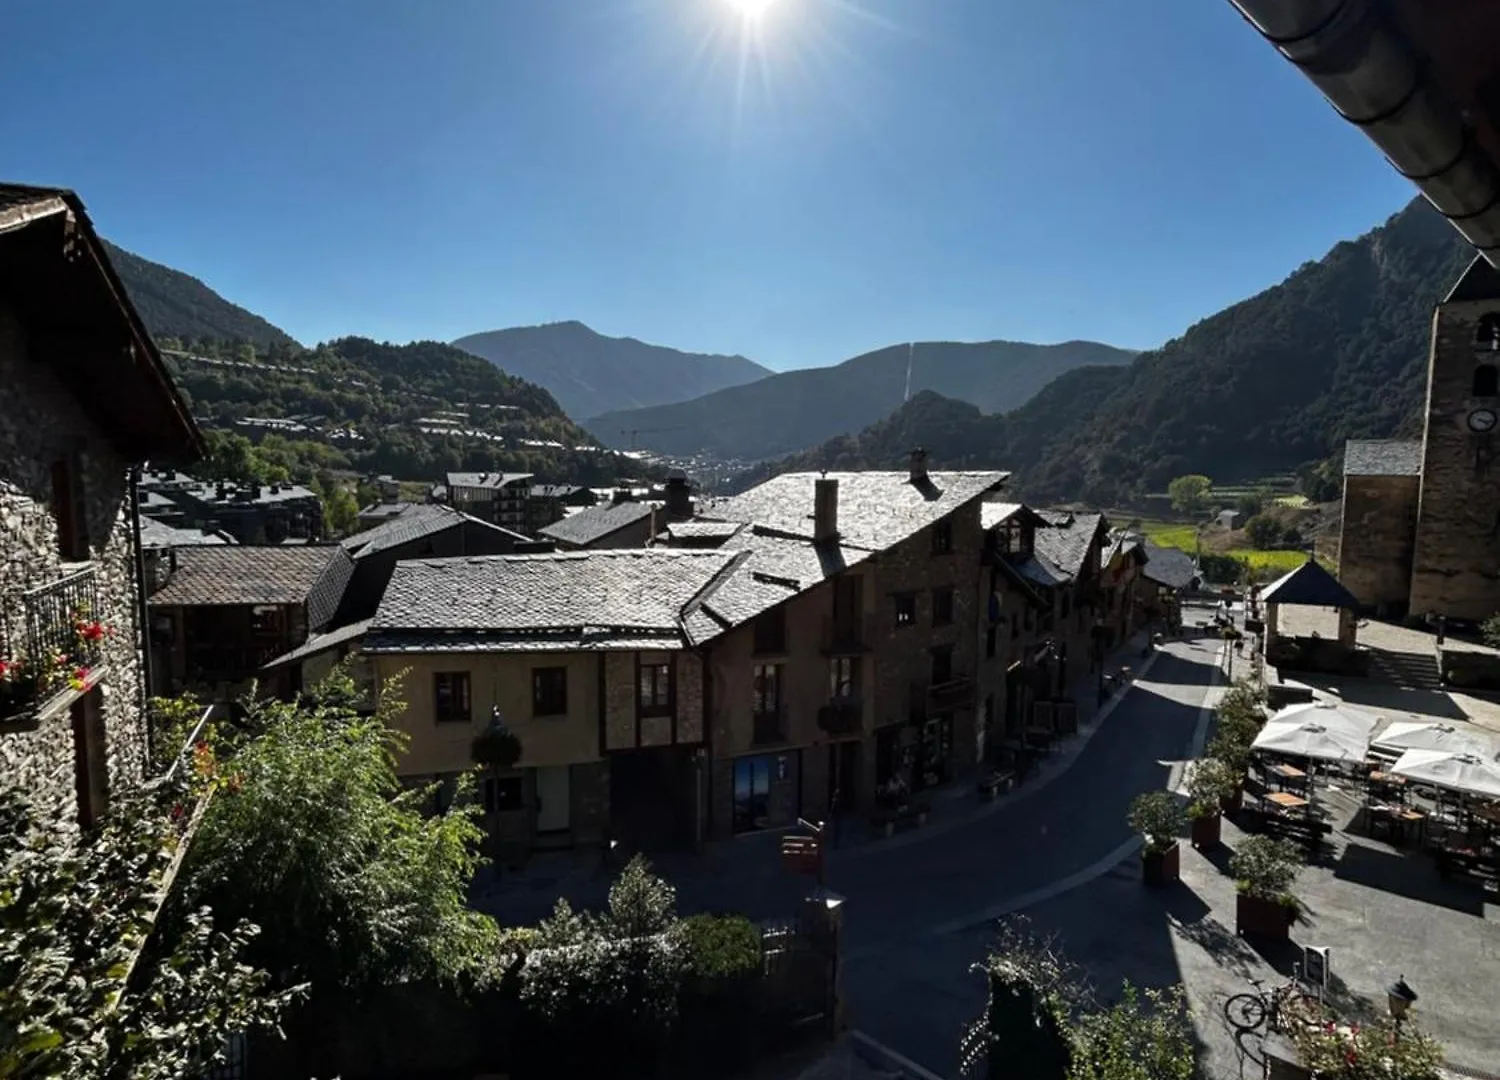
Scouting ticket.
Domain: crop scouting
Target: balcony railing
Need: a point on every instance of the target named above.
(768, 725)
(51, 641)
(228, 663)
(845, 635)
(842, 716)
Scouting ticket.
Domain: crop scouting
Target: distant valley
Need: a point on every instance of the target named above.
(795, 410)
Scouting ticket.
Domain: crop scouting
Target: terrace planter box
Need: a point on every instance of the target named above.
(1230, 804)
(1160, 868)
(1206, 830)
(1268, 919)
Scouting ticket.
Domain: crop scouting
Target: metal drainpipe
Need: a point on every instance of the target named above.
(1373, 78)
(142, 610)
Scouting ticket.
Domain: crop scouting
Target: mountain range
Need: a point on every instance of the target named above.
(798, 409)
(1273, 384)
(589, 373)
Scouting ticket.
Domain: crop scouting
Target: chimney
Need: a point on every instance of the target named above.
(679, 496)
(621, 495)
(919, 466)
(825, 509)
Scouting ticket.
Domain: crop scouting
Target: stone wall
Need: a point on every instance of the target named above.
(40, 423)
(1376, 538)
(1456, 558)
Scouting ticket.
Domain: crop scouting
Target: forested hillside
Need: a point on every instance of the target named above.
(415, 411)
(1336, 351)
(174, 304)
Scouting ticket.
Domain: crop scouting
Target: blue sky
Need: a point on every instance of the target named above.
(837, 176)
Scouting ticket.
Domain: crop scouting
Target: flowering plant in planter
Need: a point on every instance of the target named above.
(1379, 1049)
(1209, 785)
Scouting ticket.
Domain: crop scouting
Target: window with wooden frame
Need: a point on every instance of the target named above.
(450, 697)
(549, 691)
(906, 609)
(69, 507)
(654, 689)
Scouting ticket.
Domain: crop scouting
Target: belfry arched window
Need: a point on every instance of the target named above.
(1486, 381)
(1487, 335)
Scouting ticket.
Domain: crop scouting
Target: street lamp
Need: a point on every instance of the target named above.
(1399, 997)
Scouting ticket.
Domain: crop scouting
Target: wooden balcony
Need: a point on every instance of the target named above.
(769, 726)
(842, 716)
(52, 646)
(848, 636)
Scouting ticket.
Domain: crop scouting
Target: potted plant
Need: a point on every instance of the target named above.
(1264, 870)
(497, 748)
(1158, 817)
(1210, 786)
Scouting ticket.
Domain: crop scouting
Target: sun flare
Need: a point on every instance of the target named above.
(751, 9)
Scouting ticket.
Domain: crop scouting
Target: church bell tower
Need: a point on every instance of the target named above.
(1456, 557)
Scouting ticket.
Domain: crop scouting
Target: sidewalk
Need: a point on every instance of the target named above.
(744, 874)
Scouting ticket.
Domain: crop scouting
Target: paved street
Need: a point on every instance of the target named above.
(920, 906)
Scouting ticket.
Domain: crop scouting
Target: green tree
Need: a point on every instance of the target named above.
(1263, 531)
(1189, 494)
(85, 994)
(340, 508)
(317, 842)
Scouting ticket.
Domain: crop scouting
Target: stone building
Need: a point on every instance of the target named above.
(1444, 523)
(623, 523)
(84, 399)
(587, 657)
(500, 498)
(248, 513)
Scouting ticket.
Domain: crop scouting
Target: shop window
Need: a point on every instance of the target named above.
(942, 606)
(450, 697)
(752, 793)
(549, 691)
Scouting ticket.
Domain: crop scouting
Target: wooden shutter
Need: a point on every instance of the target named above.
(68, 508)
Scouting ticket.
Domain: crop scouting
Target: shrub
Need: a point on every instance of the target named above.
(1158, 817)
(1136, 1039)
(721, 946)
(1263, 531)
(1362, 1051)
(1211, 782)
(1265, 868)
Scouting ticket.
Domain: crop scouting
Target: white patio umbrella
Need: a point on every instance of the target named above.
(1434, 735)
(1466, 773)
(1326, 732)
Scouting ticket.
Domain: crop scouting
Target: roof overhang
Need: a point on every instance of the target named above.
(1421, 79)
(80, 322)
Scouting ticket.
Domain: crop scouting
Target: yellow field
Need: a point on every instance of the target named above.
(1277, 561)
(1170, 534)
(1183, 537)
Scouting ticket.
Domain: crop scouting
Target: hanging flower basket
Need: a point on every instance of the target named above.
(496, 747)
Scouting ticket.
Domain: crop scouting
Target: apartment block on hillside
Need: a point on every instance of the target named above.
(499, 498)
(261, 514)
(84, 400)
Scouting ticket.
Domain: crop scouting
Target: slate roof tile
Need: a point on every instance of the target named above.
(415, 522)
(236, 575)
(597, 522)
(1065, 543)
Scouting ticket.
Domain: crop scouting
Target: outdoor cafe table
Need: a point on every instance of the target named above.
(1285, 800)
(1288, 773)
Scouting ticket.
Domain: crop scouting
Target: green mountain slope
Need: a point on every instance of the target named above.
(415, 411)
(589, 373)
(1336, 351)
(174, 304)
(797, 409)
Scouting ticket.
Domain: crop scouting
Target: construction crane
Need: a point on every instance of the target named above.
(633, 432)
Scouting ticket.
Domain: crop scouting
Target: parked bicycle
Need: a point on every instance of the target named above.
(1270, 1008)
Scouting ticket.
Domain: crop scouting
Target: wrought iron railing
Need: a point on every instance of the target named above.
(51, 639)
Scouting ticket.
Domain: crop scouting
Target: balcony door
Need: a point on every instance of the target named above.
(848, 603)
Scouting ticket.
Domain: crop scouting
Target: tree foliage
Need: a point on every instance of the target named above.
(1144, 1036)
(1189, 493)
(318, 843)
(75, 912)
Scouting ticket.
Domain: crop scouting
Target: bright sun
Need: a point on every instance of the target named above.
(751, 9)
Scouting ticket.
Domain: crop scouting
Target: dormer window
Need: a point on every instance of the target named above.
(1014, 537)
